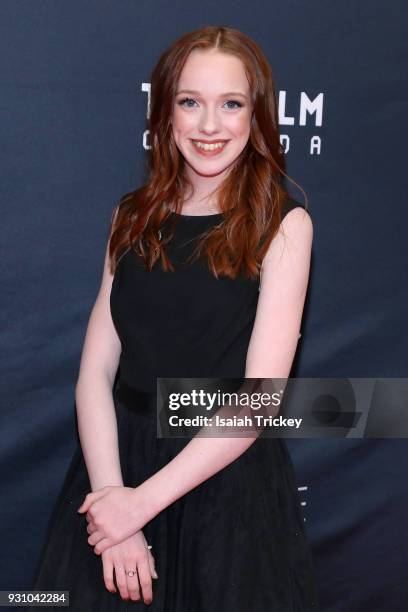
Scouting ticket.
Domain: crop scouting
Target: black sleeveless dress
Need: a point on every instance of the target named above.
(235, 543)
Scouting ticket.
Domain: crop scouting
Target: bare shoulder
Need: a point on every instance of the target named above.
(297, 221)
(294, 237)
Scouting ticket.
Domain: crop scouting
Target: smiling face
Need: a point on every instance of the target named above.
(212, 113)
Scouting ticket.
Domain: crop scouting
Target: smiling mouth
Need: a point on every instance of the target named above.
(216, 145)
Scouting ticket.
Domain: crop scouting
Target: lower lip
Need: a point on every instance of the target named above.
(209, 153)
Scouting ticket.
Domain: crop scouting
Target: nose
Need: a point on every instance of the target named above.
(209, 121)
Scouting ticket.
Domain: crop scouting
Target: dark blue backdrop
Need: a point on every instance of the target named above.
(74, 79)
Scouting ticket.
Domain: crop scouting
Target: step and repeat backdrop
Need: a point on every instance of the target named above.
(74, 88)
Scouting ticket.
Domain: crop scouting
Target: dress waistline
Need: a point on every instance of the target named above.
(139, 401)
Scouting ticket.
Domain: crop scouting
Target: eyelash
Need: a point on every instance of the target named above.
(181, 103)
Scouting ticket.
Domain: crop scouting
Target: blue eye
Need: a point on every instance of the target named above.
(239, 105)
(182, 102)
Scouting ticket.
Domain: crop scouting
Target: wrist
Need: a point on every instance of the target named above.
(149, 500)
(112, 482)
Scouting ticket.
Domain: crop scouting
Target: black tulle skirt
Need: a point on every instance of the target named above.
(235, 543)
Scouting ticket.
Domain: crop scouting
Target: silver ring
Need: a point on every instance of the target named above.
(131, 573)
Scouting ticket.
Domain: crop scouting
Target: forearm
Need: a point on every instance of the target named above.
(98, 434)
(212, 449)
(200, 459)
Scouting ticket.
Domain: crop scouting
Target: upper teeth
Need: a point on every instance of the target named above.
(208, 147)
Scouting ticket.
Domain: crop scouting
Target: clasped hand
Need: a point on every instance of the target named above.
(113, 513)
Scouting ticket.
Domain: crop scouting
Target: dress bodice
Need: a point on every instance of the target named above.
(185, 323)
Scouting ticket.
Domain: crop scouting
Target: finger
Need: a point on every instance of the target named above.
(96, 537)
(145, 580)
(133, 583)
(90, 514)
(85, 505)
(108, 573)
(152, 564)
(103, 545)
(121, 581)
(90, 499)
(91, 527)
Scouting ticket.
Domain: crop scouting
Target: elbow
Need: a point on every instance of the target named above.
(96, 378)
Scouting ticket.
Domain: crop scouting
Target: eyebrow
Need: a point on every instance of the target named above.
(197, 93)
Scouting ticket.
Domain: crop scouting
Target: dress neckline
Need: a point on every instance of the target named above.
(197, 216)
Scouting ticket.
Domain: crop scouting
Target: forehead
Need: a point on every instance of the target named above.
(212, 71)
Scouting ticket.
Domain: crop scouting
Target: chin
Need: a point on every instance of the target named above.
(208, 167)
(205, 170)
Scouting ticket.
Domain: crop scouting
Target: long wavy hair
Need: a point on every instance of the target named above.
(250, 197)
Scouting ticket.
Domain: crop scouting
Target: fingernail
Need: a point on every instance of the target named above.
(155, 574)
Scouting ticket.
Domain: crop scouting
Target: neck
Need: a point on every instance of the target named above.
(202, 199)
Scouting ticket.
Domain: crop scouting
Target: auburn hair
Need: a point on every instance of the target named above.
(250, 197)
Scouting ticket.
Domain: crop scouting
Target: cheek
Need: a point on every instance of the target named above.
(241, 125)
(182, 122)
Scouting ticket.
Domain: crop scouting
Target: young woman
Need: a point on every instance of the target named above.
(205, 275)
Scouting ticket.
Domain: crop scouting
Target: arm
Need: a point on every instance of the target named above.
(93, 392)
(117, 512)
(270, 355)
